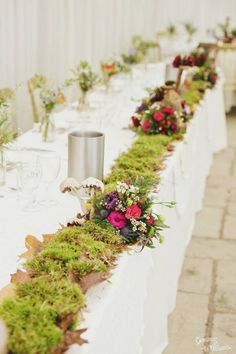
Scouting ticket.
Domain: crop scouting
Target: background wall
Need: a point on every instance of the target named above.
(51, 36)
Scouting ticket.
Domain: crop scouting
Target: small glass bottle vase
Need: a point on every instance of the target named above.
(83, 101)
(48, 128)
(2, 167)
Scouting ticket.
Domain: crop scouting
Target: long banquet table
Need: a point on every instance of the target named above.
(127, 314)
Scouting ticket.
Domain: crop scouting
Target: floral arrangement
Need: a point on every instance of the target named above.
(85, 78)
(171, 30)
(6, 134)
(190, 29)
(227, 36)
(129, 210)
(200, 57)
(113, 67)
(207, 74)
(6, 94)
(157, 119)
(179, 61)
(37, 81)
(196, 58)
(50, 98)
(139, 50)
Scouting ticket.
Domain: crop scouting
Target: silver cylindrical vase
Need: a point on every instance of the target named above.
(86, 155)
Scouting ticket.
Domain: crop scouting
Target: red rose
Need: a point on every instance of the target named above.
(146, 125)
(158, 116)
(133, 212)
(191, 60)
(201, 59)
(174, 127)
(213, 78)
(168, 110)
(135, 121)
(177, 61)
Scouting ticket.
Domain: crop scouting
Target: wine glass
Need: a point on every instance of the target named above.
(50, 163)
(29, 176)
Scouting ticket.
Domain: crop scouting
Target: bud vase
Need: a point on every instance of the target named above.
(83, 101)
(2, 167)
(48, 128)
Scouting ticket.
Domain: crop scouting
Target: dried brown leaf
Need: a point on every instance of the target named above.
(71, 337)
(47, 238)
(7, 292)
(20, 277)
(92, 279)
(170, 147)
(33, 246)
(66, 321)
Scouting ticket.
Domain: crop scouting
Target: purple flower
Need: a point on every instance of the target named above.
(111, 200)
(141, 108)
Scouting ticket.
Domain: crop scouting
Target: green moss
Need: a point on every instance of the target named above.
(61, 251)
(84, 266)
(191, 97)
(102, 231)
(40, 265)
(70, 248)
(143, 158)
(60, 294)
(31, 327)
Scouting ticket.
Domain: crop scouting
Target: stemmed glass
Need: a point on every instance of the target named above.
(29, 176)
(50, 163)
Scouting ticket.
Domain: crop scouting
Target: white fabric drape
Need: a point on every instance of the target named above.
(52, 36)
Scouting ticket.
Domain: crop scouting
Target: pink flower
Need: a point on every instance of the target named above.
(174, 127)
(117, 219)
(168, 110)
(158, 116)
(133, 212)
(135, 121)
(150, 220)
(146, 125)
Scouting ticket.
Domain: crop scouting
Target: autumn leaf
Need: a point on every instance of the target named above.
(71, 337)
(66, 321)
(33, 246)
(92, 279)
(20, 277)
(47, 238)
(7, 292)
(170, 147)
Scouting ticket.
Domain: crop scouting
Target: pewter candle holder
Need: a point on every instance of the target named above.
(86, 155)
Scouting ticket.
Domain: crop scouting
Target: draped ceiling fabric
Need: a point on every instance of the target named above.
(52, 36)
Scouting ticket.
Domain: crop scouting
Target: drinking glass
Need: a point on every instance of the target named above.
(50, 163)
(29, 176)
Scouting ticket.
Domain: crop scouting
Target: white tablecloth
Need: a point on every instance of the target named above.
(226, 60)
(129, 313)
